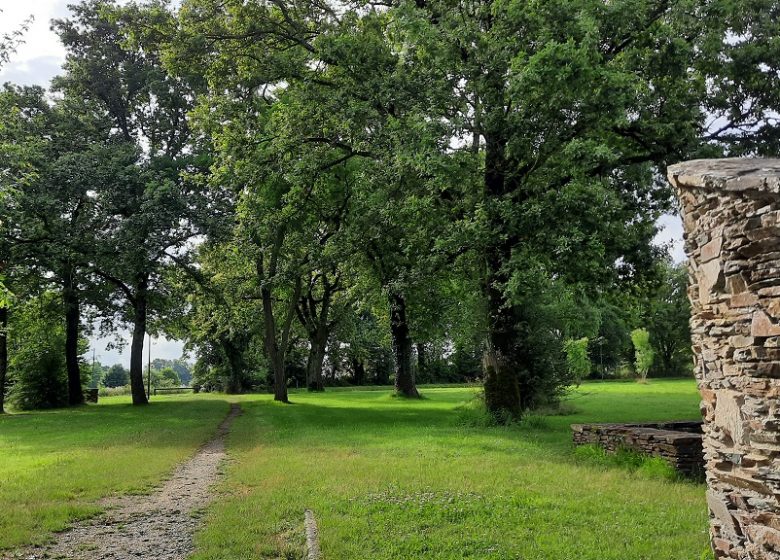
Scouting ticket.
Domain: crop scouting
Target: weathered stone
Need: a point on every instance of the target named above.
(711, 250)
(679, 443)
(740, 341)
(711, 280)
(728, 415)
(736, 284)
(723, 516)
(745, 299)
(762, 325)
(731, 214)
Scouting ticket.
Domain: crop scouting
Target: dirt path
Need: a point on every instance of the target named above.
(159, 526)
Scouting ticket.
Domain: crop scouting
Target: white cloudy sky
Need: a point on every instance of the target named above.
(40, 58)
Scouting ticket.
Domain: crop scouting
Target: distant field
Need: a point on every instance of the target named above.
(387, 478)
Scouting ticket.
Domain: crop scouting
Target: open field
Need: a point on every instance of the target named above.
(387, 478)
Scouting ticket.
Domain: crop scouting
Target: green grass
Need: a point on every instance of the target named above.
(394, 479)
(54, 466)
(387, 478)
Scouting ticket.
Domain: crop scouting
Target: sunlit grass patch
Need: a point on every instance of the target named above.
(395, 479)
(56, 465)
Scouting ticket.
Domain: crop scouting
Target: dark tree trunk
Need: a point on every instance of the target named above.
(316, 358)
(313, 314)
(273, 351)
(3, 354)
(502, 389)
(358, 371)
(137, 346)
(235, 361)
(402, 347)
(70, 299)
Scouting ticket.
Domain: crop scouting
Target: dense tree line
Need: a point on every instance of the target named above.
(312, 192)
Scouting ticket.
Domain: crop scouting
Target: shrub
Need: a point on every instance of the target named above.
(577, 359)
(643, 352)
(116, 376)
(37, 367)
(114, 391)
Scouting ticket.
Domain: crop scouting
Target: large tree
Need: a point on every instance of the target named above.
(154, 211)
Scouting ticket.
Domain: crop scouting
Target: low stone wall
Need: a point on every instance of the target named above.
(679, 443)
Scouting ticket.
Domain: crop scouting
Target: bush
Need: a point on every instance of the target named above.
(37, 367)
(116, 376)
(577, 359)
(643, 352)
(114, 391)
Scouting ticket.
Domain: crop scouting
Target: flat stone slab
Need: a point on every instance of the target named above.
(729, 174)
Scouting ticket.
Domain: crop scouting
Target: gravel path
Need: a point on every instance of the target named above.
(159, 526)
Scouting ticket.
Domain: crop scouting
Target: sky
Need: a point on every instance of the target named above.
(40, 58)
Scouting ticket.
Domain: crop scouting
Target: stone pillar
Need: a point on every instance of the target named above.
(731, 214)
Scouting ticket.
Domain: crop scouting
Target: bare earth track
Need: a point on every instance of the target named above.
(159, 526)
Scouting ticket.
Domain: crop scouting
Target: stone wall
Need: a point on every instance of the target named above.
(679, 443)
(731, 214)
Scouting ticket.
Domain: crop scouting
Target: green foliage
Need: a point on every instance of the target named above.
(577, 358)
(667, 317)
(116, 376)
(37, 365)
(643, 351)
(639, 463)
(166, 377)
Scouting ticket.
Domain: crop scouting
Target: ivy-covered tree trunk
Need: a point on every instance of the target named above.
(137, 345)
(502, 390)
(402, 347)
(72, 305)
(3, 354)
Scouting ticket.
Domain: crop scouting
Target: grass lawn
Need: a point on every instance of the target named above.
(386, 478)
(389, 478)
(55, 465)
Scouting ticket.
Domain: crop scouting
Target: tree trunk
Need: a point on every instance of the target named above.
(358, 371)
(3, 354)
(236, 365)
(402, 348)
(274, 353)
(137, 346)
(72, 325)
(502, 389)
(316, 358)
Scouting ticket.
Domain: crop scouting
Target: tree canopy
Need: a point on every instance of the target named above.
(311, 193)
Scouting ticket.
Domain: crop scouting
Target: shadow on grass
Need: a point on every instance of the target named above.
(377, 421)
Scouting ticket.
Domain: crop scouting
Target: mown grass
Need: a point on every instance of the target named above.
(395, 479)
(55, 466)
(386, 477)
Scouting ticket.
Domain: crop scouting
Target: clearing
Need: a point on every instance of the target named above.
(387, 478)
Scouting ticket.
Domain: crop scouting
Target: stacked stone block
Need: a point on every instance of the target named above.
(678, 443)
(731, 215)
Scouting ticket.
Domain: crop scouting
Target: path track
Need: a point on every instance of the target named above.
(159, 526)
